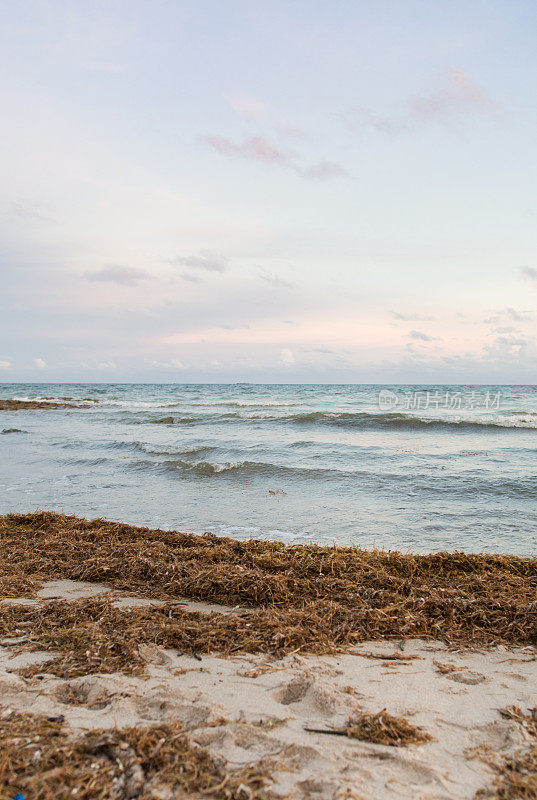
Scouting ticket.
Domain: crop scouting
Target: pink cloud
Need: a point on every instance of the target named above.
(258, 148)
(457, 95)
(249, 108)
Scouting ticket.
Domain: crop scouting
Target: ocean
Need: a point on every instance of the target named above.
(412, 468)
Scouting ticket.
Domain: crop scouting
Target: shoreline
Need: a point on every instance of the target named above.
(274, 670)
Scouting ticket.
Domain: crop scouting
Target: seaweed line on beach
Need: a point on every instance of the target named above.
(93, 636)
(318, 599)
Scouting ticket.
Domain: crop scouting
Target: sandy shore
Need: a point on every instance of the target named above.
(253, 710)
(156, 665)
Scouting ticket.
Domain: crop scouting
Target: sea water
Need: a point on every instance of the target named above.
(412, 468)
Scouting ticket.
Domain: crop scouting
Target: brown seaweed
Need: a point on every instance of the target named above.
(42, 761)
(310, 597)
(379, 728)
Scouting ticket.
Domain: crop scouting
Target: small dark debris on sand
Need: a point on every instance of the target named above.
(380, 728)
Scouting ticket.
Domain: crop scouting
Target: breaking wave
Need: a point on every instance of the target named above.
(413, 421)
(438, 485)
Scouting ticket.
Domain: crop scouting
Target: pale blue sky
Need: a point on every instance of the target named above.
(288, 191)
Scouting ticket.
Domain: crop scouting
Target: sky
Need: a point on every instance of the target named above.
(278, 191)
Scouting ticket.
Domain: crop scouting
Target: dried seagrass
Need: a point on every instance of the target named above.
(308, 597)
(379, 728)
(40, 760)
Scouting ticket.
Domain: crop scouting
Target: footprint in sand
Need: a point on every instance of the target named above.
(321, 699)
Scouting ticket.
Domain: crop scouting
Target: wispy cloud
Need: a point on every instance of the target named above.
(455, 98)
(40, 363)
(510, 314)
(458, 95)
(530, 273)
(411, 317)
(325, 351)
(506, 329)
(210, 262)
(323, 171)
(249, 108)
(123, 276)
(276, 281)
(516, 316)
(191, 277)
(256, 148)
(512, 347)
(259, 148)
(30, 210)
(422, 337)
(5, 364)
(174, 363)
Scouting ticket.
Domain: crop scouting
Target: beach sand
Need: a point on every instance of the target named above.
(254, 709)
